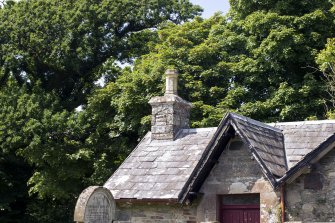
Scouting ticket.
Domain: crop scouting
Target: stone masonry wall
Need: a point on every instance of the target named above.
(170, 113)
(311, 197)
(153, 213)
(235, 173)
(238, 173)
(162, 121)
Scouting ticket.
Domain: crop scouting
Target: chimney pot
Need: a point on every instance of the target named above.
(171, 76)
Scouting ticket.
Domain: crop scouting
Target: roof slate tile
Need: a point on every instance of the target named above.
(159, 169)
(301, 138)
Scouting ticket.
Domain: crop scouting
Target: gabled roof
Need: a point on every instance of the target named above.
(306, 143)
(159, 169)
(308, 160)
(175, 169)
(266, 144)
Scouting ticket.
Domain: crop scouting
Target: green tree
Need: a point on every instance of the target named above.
(64, 44)
(262, 65)
(326, 61)
(42, 152)
(51, 54)
(258, 61)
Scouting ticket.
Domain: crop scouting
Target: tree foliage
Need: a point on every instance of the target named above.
(326, 61)
(63, 44)
(261, 64)
(258, 60)
(51, 54)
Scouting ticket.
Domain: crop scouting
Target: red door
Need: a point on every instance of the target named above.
(240, 214)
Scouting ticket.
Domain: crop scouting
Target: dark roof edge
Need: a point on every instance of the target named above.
(307, 159)
(203, 167)
(255, 122)
(263, 166)
(203, 162)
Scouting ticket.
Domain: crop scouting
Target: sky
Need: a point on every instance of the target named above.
(212, 6)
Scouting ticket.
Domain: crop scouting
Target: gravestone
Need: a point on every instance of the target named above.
(95, 205)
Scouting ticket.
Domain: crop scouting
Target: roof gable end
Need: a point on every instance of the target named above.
(265, 142)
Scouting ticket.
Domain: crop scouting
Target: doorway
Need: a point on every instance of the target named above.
(240, 208)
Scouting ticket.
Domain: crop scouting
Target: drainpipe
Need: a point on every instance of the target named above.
(282, 202)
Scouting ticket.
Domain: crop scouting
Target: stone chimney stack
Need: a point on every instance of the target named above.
(170, 113)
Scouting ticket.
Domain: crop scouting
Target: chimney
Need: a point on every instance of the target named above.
(170, 113)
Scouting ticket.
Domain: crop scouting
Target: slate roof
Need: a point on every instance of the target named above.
(174, 169)
(300, 138)
(158, 169)
(266, 141)
(308, 160)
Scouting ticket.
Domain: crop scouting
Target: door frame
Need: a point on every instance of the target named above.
(238, 207)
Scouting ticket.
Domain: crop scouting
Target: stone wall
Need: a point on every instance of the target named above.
(311, 197)
(153, 213)
(238, 173)
(235, 173)
(170, 113)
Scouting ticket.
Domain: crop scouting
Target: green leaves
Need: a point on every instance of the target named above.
(326, 57)
(326, 61)
(260, 66)
(259, 60)
(63, 44)
(51, 54)
(242, 8)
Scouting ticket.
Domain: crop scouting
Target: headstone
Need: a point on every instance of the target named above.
(95, 205)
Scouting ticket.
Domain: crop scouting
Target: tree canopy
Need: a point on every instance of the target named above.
(262, 66)
(63, 44)
(60, 131)
(51, 55)
(326, 61)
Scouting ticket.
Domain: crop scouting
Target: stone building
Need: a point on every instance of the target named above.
(242, 171)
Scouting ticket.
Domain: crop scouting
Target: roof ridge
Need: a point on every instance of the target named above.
(312, 122)
(255, 122)
(194, 130)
